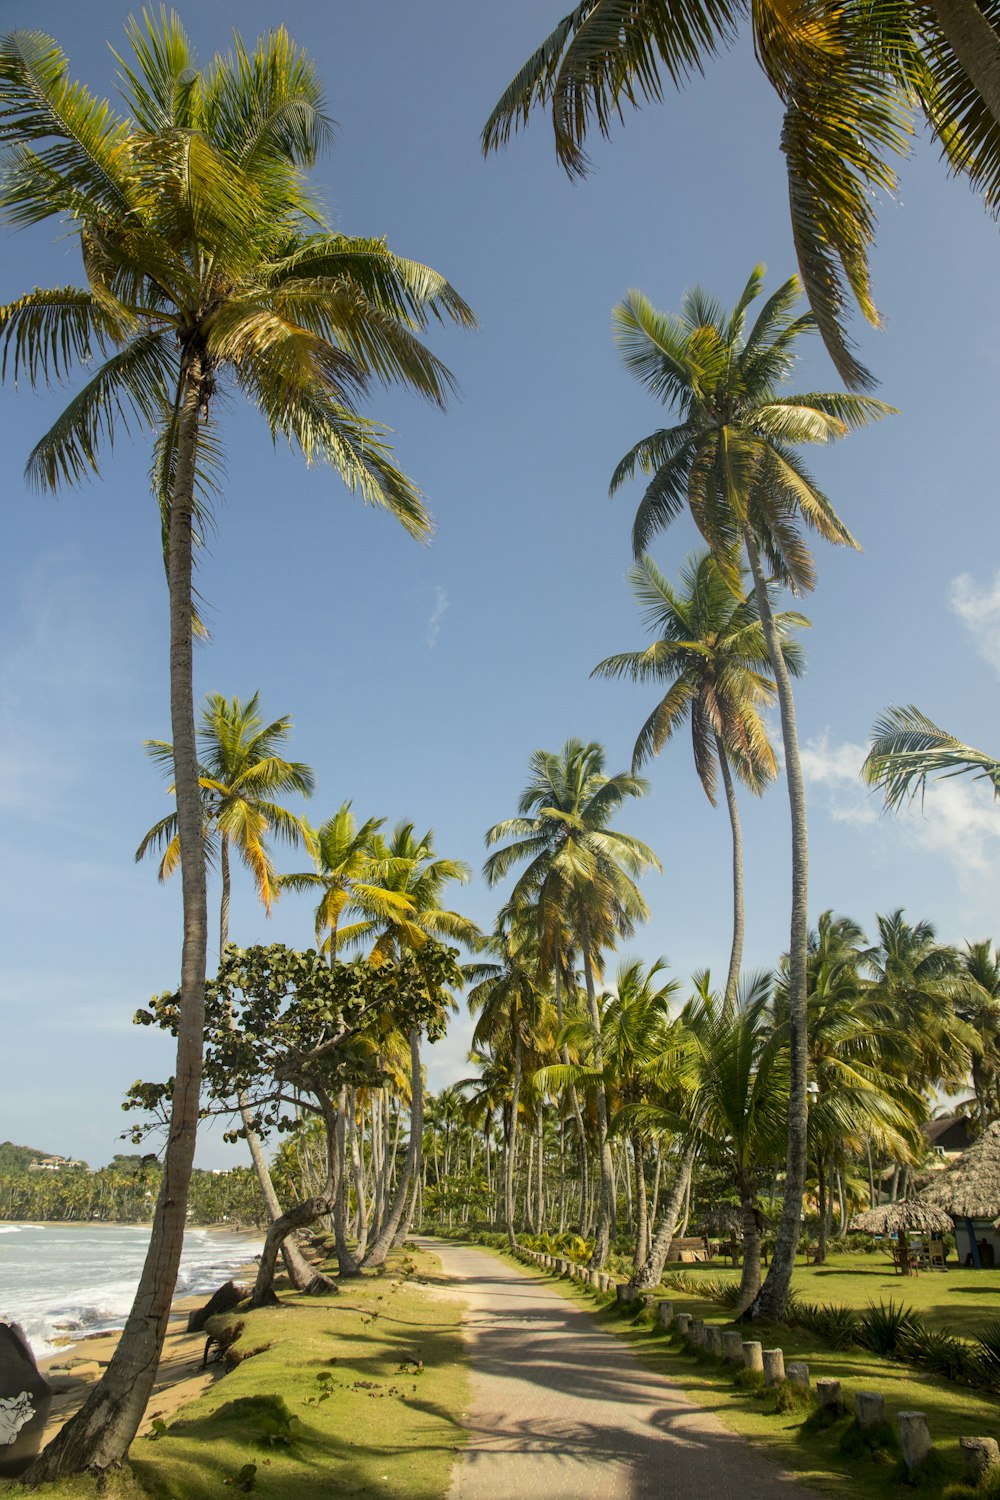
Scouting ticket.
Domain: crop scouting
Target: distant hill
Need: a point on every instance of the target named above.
(19, 1158)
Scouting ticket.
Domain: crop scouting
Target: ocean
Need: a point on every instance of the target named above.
(74, 1279)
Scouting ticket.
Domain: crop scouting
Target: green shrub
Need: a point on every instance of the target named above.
(883, 1327)
(878, 1442)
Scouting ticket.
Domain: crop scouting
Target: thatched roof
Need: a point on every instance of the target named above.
(908, 1214)
(970, 1187)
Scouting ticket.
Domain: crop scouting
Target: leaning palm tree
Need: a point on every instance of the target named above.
(583, 866)
(711, 651)
(240, 773)
(731, 459)
(849, 78)
(209, 265)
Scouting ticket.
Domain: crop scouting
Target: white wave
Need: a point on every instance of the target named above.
(10, 1229)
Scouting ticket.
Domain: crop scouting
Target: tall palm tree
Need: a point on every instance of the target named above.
(208, 263)
(240, 773)
(977, 1003)
(732, 460)
(915, 980)
(849, 79)
(581, 864)
(711, 650)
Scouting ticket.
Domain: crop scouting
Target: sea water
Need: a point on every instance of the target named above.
(61, 1280)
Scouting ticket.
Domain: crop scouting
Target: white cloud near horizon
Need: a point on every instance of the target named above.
(436, 616)
(978, 607)
(957, 819)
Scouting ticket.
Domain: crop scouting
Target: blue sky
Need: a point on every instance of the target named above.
(420, 679)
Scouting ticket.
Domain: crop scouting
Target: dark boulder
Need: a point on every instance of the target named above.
(25, 1398)
(222, 1301)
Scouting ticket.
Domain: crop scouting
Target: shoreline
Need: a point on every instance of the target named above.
(179, 1377)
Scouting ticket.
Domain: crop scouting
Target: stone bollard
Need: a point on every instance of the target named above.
(713, 1339)
(797, 1372)
(753, 1356)
(981, 1455)
(869, 1408)
(665, 1314)
(829, 1395)
(605, 1281)
(914, 1439)
(682, 1323)
(696, 1333)
(774, 1366)
(649, 1303)
(732, 1346)
(625, 1294)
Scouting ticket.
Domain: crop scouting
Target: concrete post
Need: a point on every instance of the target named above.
(829, 1395)
(732, 1346)
(774, 1366)
(713, 1339)
(798, 1373)
(914, 1439)
(696, 1333)
(665, 1314)
(869, 1408)
(682, 1323)
(753, 1356)
(626, 1296)
(981, 1455)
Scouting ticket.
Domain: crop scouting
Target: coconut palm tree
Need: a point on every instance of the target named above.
(732, 461)
(849, 79)
(711, 651)
(579, 864)
(907, 749)
(240, 774)
(208, 264)
(977, 1003)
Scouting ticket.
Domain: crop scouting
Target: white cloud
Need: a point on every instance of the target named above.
(437, 614)
(978, 607)
(957, 819)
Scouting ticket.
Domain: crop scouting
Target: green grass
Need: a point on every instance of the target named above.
(816, 1456)
(365, 1422)
(955, 1301)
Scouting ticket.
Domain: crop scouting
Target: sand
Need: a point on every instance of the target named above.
(179, 1379)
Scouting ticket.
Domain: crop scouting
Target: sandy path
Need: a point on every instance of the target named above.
(562, 1410)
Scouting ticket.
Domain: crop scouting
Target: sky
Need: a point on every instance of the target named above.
(420, 679)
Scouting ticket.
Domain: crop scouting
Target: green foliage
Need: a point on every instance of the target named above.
(836, 1325)
(266, 1416)
(882, 1327)
(879, 1442)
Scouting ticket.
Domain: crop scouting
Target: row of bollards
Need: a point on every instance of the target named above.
(980, 1454)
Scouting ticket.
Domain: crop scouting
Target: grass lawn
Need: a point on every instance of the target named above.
(383, 1428)
(956, 1301)
(952, 1410)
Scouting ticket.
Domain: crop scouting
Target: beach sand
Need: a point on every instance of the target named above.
(179, 1379)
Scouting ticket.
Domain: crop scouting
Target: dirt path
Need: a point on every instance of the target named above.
(562, 1410)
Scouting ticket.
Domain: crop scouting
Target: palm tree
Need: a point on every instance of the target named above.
(915, 981)
(710, 650)
(732, 459)
(578, 864)
(907, 749)
(848, 78)
(240, 773)
(977, 1003)
(208, 262)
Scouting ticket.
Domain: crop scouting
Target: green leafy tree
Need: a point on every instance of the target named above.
(208, 263)
(711, 651)
(849, 78)
(732, 461)
(587, 869)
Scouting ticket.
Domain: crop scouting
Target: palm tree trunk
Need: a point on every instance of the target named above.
(650, 1272)
(508, 1188)
(301, 1215)
(641, 1219)
(974, 42)
(750, 1278)
(540, 1190)
(822, 1195)
(739, 917)
(581, 1129)
(348, 1265)
(102, 1430)
(606, 1206)
(357, 1170)
(773, 1298)
(411, 1164)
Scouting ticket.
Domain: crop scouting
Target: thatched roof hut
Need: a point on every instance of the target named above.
(908, 1215)
(970, 1187)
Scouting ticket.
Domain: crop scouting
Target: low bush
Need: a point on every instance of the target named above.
(882, 1327)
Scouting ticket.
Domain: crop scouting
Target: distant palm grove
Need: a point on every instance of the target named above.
(608, 1103)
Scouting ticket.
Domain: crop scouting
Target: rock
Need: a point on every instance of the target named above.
(981, 1455)
(25, 1398)
(222, 1301)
